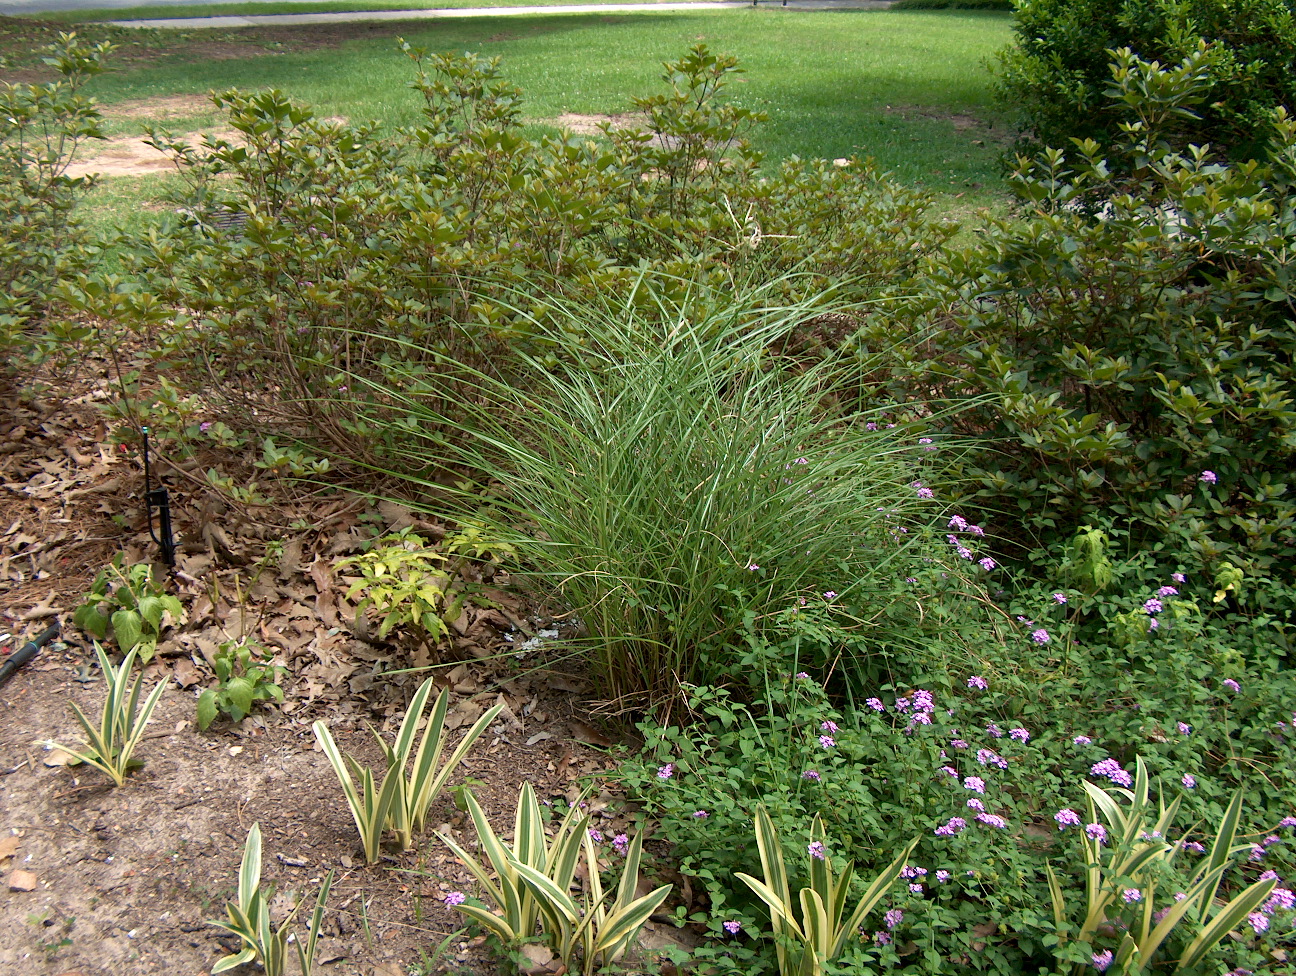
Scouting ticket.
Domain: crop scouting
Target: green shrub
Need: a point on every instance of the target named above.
(320, 257)
(1126, 349)
(1057, 75)
(41, 127)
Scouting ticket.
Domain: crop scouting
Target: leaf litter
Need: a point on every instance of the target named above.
(141, 868)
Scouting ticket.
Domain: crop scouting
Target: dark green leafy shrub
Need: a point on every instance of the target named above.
(952, 5)
(1129, 356)
(1057, 75)
(41, 126)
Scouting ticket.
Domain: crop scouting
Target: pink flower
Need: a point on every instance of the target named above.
(700, 814)
(830, 594)
(1059, 598)
(978, 682)
(620, 843)
(455, 898)
(1259, 922)
(733, 927)
(1232, 685)
(974, 783)
(828, 726)
(1209, 477)
(827, 741)
(1096, 832)
(1021, 735)
(1131, 895)
(816, 850)
(1082, 740)
(1189, 781)
(666, 772)
(811, 774)
(1101, 960)
(1040, 636)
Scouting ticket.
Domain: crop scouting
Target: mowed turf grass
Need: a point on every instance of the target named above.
(910, 89)
(251, 8)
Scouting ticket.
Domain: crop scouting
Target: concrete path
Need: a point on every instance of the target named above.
(260, 20)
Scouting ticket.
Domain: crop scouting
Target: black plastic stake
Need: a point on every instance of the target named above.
(157, 498)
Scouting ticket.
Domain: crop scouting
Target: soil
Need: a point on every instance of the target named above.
(105, 881)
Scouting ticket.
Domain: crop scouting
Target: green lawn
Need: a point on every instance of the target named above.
(155, 11)
(907, 88)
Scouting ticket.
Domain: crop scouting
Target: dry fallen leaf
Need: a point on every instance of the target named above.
(539, 959)
(588, 734)
(8, 846)
(185, 674)
(22, 881)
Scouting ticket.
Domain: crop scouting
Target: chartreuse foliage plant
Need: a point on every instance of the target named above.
(529, 886)
(112, 743)
(1127, 856)
(128, 605)
(41, 127)
(413, 777)
(808, 939)
(249, 919)
(415, 586)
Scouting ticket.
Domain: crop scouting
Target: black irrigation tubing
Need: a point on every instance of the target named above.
(27, 652)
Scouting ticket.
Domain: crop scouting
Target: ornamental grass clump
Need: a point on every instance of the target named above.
(673, 474)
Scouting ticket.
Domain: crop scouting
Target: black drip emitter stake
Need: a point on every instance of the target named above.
(158, 497)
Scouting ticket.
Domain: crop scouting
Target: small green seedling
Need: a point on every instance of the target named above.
(245, 675)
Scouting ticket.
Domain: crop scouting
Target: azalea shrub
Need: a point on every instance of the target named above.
(1124, 349)
(1056, 73)
(317, 260)
(41, 241)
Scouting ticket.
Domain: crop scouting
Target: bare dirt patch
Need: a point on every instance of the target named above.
(964, 123)
(591, 125)
(160, 109)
